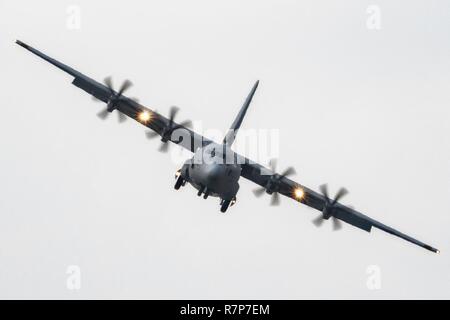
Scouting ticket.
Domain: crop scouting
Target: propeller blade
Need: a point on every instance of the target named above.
(275, 201)
(94, 98)
(103, 114)
(273, 164)
(125, 86)
(108, 82)
(318, 221)
(187, 123)
(324, 189)
(121, 116)
(342, 192)
(259, 191)
(337, 224)
(173, 111)
(151, 134)
(288, 172)
(164, 147)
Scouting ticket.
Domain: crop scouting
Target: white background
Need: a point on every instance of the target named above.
(355, 107)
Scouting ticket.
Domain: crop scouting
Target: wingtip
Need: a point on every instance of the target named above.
(432, 249)
(22, 44)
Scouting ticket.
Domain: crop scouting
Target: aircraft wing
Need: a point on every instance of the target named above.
(191, 141)
(259, 174)
(157, 122)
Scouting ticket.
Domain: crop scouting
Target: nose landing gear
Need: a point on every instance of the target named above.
(201, 190)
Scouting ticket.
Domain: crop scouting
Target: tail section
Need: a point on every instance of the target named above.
(231, 135)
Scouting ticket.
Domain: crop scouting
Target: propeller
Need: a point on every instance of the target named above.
(113, 99)
(272, 186)
(329, 207)
(168, 129)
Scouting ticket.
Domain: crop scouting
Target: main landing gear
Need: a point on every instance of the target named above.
(180, 181)
(224, 204)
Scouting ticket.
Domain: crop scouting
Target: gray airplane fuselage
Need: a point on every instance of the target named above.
(209, 171)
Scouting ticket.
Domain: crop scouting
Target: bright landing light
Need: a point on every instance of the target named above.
(144, 116)
(299, 193)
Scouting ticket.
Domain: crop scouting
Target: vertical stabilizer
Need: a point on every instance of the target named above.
(231, 135)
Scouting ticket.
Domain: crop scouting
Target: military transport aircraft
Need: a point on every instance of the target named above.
(214, 170)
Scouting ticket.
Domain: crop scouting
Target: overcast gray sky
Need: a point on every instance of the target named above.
(358, 102)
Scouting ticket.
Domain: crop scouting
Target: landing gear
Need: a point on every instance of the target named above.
(200, 191)
(224, 205)
(180, 182)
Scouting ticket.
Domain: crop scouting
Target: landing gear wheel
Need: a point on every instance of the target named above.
(179, 183)
(225, 205)
(200, 191)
